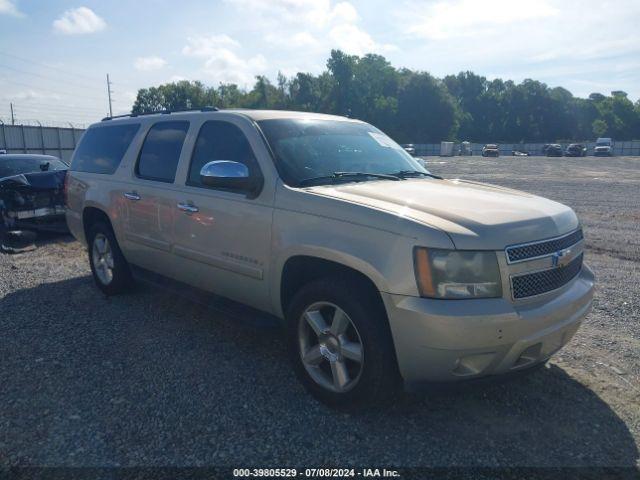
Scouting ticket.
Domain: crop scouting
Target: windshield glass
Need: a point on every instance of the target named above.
(10, 165)
(307, 149)
(602, 144)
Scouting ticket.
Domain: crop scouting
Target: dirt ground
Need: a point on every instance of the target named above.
(150, 379)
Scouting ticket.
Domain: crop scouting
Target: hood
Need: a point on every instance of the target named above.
(51, 179)
(474, 215)
(603, 147)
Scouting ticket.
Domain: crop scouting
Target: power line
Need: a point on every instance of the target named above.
(50, 90)
(49, 79)
(35, 62)
(57, 110)
(45, 106)
(50, 67)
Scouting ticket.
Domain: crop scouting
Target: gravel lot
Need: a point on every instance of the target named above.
(152, 379)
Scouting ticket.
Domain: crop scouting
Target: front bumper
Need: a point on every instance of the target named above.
(42, 219)
(454, 340)
(602, 153)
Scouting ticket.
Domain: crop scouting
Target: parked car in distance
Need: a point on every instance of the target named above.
(520, 153)
(465, 149)
(554, 150)
(603, 148)
(576, 150)
(382, 273)
(410, 149)
(32, 193)
(491, 150)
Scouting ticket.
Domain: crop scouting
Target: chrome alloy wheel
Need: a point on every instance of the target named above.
(330, 347)
(102, 258)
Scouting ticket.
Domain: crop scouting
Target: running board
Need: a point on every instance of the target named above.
(239, 312)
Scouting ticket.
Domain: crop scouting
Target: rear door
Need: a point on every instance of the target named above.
(151, 196)
(222, 242)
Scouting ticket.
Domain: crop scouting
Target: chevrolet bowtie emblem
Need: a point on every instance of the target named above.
(561, 258)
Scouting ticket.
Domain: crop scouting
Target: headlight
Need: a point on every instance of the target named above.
(457, 273)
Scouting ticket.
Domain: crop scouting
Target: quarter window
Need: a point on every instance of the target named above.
(160, 152)
(220, 140)
(102, 148)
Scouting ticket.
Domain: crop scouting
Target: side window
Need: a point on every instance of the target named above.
(219, 140)
(102, 148)
(158, 159)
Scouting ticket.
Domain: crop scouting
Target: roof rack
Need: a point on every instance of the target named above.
(162, 112)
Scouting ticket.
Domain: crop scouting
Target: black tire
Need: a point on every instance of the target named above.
(121, 280)
(379, 379)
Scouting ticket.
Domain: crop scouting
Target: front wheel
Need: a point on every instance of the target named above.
(340, 343)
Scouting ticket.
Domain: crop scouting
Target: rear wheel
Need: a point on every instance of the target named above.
(108, 266)
(340, 344)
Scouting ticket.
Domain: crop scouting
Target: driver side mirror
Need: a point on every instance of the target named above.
(226, 174)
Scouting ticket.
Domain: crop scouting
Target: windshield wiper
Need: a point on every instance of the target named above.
(339, 175)
(414, 173)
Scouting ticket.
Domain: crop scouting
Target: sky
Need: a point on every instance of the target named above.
(55, 54)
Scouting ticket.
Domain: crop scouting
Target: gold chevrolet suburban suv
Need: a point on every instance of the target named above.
(382, 273)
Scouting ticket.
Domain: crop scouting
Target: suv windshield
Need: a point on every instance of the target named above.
(10, 165)
(310, 149)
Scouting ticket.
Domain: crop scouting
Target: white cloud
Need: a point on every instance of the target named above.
(207, 45)
(310, 27)
(560, 42)
(294, 40)
(146, 64)
(76, 21)
(312, 13)
(223, 63)
(464, 18)
(353, 40)
(8, 7)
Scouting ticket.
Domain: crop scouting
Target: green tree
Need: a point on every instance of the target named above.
(600, 128)
(174, 96)
(417, 107)
(426, 110)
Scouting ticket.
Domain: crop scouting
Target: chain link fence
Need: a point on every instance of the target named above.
(628, 148)
(40, 139)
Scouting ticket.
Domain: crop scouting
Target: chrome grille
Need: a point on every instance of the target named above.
(519, 253)
(544, 281)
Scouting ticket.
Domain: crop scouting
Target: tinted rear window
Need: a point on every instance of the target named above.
(161, 151)
(101, 149)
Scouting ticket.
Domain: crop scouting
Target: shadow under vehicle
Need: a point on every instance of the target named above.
(136, 370)
(31, 198)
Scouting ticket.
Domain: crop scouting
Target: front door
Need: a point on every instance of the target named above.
(222, 238)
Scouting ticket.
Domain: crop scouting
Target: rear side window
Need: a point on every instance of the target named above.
(160, 152)
(102, 148)
(220, 140)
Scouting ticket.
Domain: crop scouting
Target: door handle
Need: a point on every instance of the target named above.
(131, 196)
(188, 208)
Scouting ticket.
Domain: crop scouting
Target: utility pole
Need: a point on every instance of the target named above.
(13, 118)
(109, 95)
